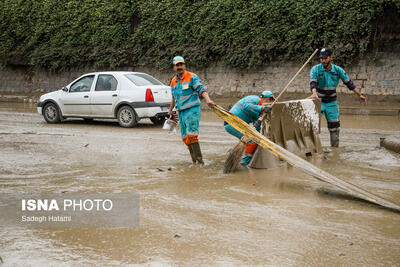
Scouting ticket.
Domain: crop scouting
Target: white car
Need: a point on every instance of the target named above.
(126, 96)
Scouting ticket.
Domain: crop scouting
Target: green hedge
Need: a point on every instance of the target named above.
(55, 35)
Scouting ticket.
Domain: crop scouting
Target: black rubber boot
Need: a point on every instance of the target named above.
(334, 138)
(192, 153)
(197, 152)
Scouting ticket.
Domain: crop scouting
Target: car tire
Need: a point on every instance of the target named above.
(127, 117)
(157, 120)
(51, 113)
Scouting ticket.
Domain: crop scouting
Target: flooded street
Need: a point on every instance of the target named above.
(193, 215)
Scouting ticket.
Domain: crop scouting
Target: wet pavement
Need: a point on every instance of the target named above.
(193, 215)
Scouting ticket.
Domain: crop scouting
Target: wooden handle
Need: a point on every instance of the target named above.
(294, 77)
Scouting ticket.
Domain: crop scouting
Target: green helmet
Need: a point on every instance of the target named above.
(267, 94)
(178, 59)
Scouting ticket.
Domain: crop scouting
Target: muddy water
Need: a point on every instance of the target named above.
(199, 216)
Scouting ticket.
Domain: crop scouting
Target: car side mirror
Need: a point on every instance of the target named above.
(65, 89)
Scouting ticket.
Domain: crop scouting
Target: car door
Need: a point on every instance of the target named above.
(76, 102)
(104, 96)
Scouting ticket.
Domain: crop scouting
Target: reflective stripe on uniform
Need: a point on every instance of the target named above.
(333, 120)
(196, 85)
(202, 90)
(184, 97)
(327, 88)
(187, 105)
(252, 108)
(320, 95)
(242, 108)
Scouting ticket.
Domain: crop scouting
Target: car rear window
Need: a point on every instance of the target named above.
(141, 79)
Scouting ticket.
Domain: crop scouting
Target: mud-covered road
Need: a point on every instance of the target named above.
(193, 215)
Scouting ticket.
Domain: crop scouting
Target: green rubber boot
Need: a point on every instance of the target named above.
(197, 152)
(334, 138)
(192, 153)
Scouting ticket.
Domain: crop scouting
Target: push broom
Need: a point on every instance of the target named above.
(235, 155)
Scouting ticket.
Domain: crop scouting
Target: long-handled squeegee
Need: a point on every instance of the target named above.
(300, 163)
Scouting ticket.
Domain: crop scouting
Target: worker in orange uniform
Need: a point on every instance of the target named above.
(250, 109)
(187, 91)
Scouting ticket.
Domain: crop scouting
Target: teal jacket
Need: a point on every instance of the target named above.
(326, 81)
(187, 91)
(248, 108)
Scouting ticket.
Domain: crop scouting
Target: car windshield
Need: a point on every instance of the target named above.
(141, 79)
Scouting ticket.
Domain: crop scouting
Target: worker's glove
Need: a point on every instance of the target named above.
(267, 109)
(257, 124)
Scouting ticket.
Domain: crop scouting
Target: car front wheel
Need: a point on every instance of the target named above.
(127, 117)
(51, 113)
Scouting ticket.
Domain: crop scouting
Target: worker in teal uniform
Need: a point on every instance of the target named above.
(187, 91)
(324, 80)
(250, 109)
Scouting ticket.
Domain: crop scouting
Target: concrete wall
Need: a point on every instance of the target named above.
(379, 80)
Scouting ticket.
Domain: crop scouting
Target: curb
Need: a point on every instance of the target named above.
(19, 98)
(360, 111)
